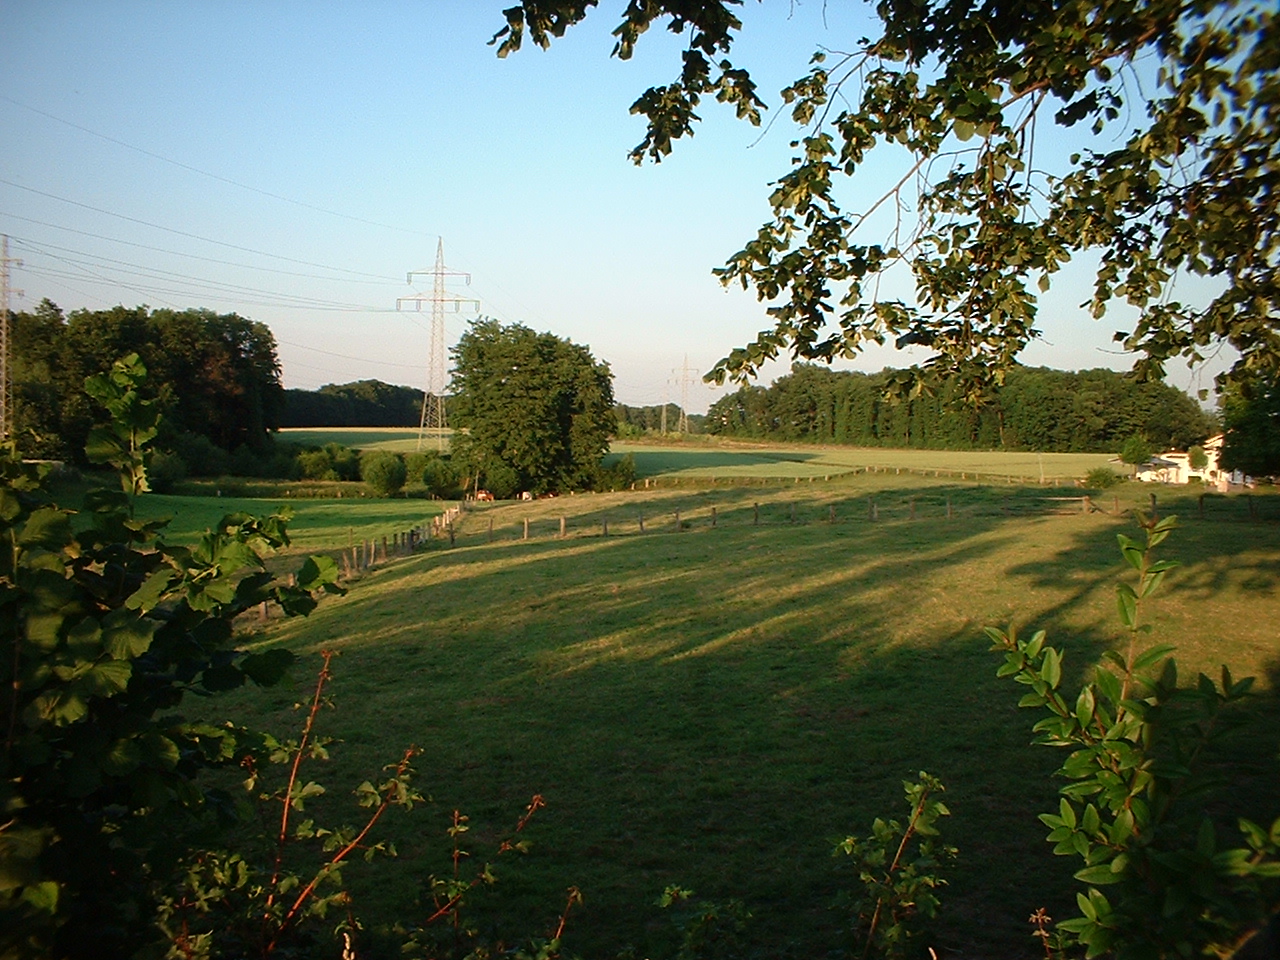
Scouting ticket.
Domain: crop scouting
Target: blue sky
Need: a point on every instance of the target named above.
(292, 161)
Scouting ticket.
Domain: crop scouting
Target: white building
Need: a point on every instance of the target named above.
(1175, 467)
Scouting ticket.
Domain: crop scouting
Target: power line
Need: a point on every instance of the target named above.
(184, 233)
(6, 368)
(169, 275)
(196, 256)
(344, 356)
(433, 412)
(212, 176)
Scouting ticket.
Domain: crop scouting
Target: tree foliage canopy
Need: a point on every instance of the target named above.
(212, 375)
(1251, 421)
(1035, 409)
(1175, 106)
(362, 403)
(537, 410)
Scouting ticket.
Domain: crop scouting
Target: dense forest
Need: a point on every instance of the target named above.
(638, 421)
(215, 376)
(1036, 409)
(364, 403)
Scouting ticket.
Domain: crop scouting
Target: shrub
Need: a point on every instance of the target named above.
(1102, 478)
(344, 461)
(316, 465)
(1141, 773)
(202, 456)
(165, 470)
(383, 471)
(619, 475)
(99, 774)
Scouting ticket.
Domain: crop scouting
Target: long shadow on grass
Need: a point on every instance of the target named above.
(714, 708)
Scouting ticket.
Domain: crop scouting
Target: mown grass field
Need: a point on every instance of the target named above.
(317, 525)
(706, 457)
(735, 460)
(717, 706)
(396, 439)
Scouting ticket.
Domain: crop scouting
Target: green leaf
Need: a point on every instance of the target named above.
(1098, 876)
(317, 572)
(47, 527)
(1051, 669)
(268, 668)
(42, 896)
(128, 636)
(1152, 655)
(1126, 604)
(152, 591)
(109, 677)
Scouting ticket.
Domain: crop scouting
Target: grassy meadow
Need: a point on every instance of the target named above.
(317, 525)
(704, 457)
(716, 702)
(395, 439)
(735, 460)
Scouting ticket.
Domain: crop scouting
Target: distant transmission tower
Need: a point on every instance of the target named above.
(7, 411)
(683, 425)
(433, 413)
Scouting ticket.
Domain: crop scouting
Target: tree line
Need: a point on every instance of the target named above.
(1035, 409)
(362, 403)
(215, 378)
(656, 418)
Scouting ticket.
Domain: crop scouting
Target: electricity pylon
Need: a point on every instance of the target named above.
(6, 345)
(682, 425)
(433, 413)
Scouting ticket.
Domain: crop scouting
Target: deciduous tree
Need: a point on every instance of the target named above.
(1175, 112)
(537, 410)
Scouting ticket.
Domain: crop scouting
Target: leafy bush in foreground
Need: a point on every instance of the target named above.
(106, 630)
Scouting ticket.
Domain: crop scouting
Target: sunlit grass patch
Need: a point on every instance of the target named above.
(714, 705)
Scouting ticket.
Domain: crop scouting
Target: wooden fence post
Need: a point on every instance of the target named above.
(831, 513)
(678, 521)
(491, 529)
(1086, 505)
(713, 516)
(562, 525)
(948, 508)
(793, 511)
(526, 529)
(641, 518)
(604, 528)
(755, 516)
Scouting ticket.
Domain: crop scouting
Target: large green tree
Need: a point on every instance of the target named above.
(1251, 422)
(1175, 109)
(214, 375)
(536, 410)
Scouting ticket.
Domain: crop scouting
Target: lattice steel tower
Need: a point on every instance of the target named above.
(433, 417)
(6, 345)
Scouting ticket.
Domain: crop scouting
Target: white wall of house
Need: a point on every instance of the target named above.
(1175, 467)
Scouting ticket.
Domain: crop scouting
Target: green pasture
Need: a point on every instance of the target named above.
(733, 460)
(715, 702)
(396, 439)
(709, 457)
(317, 525)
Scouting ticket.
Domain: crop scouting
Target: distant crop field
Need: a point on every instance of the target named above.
(797, 460)
(396, 439)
